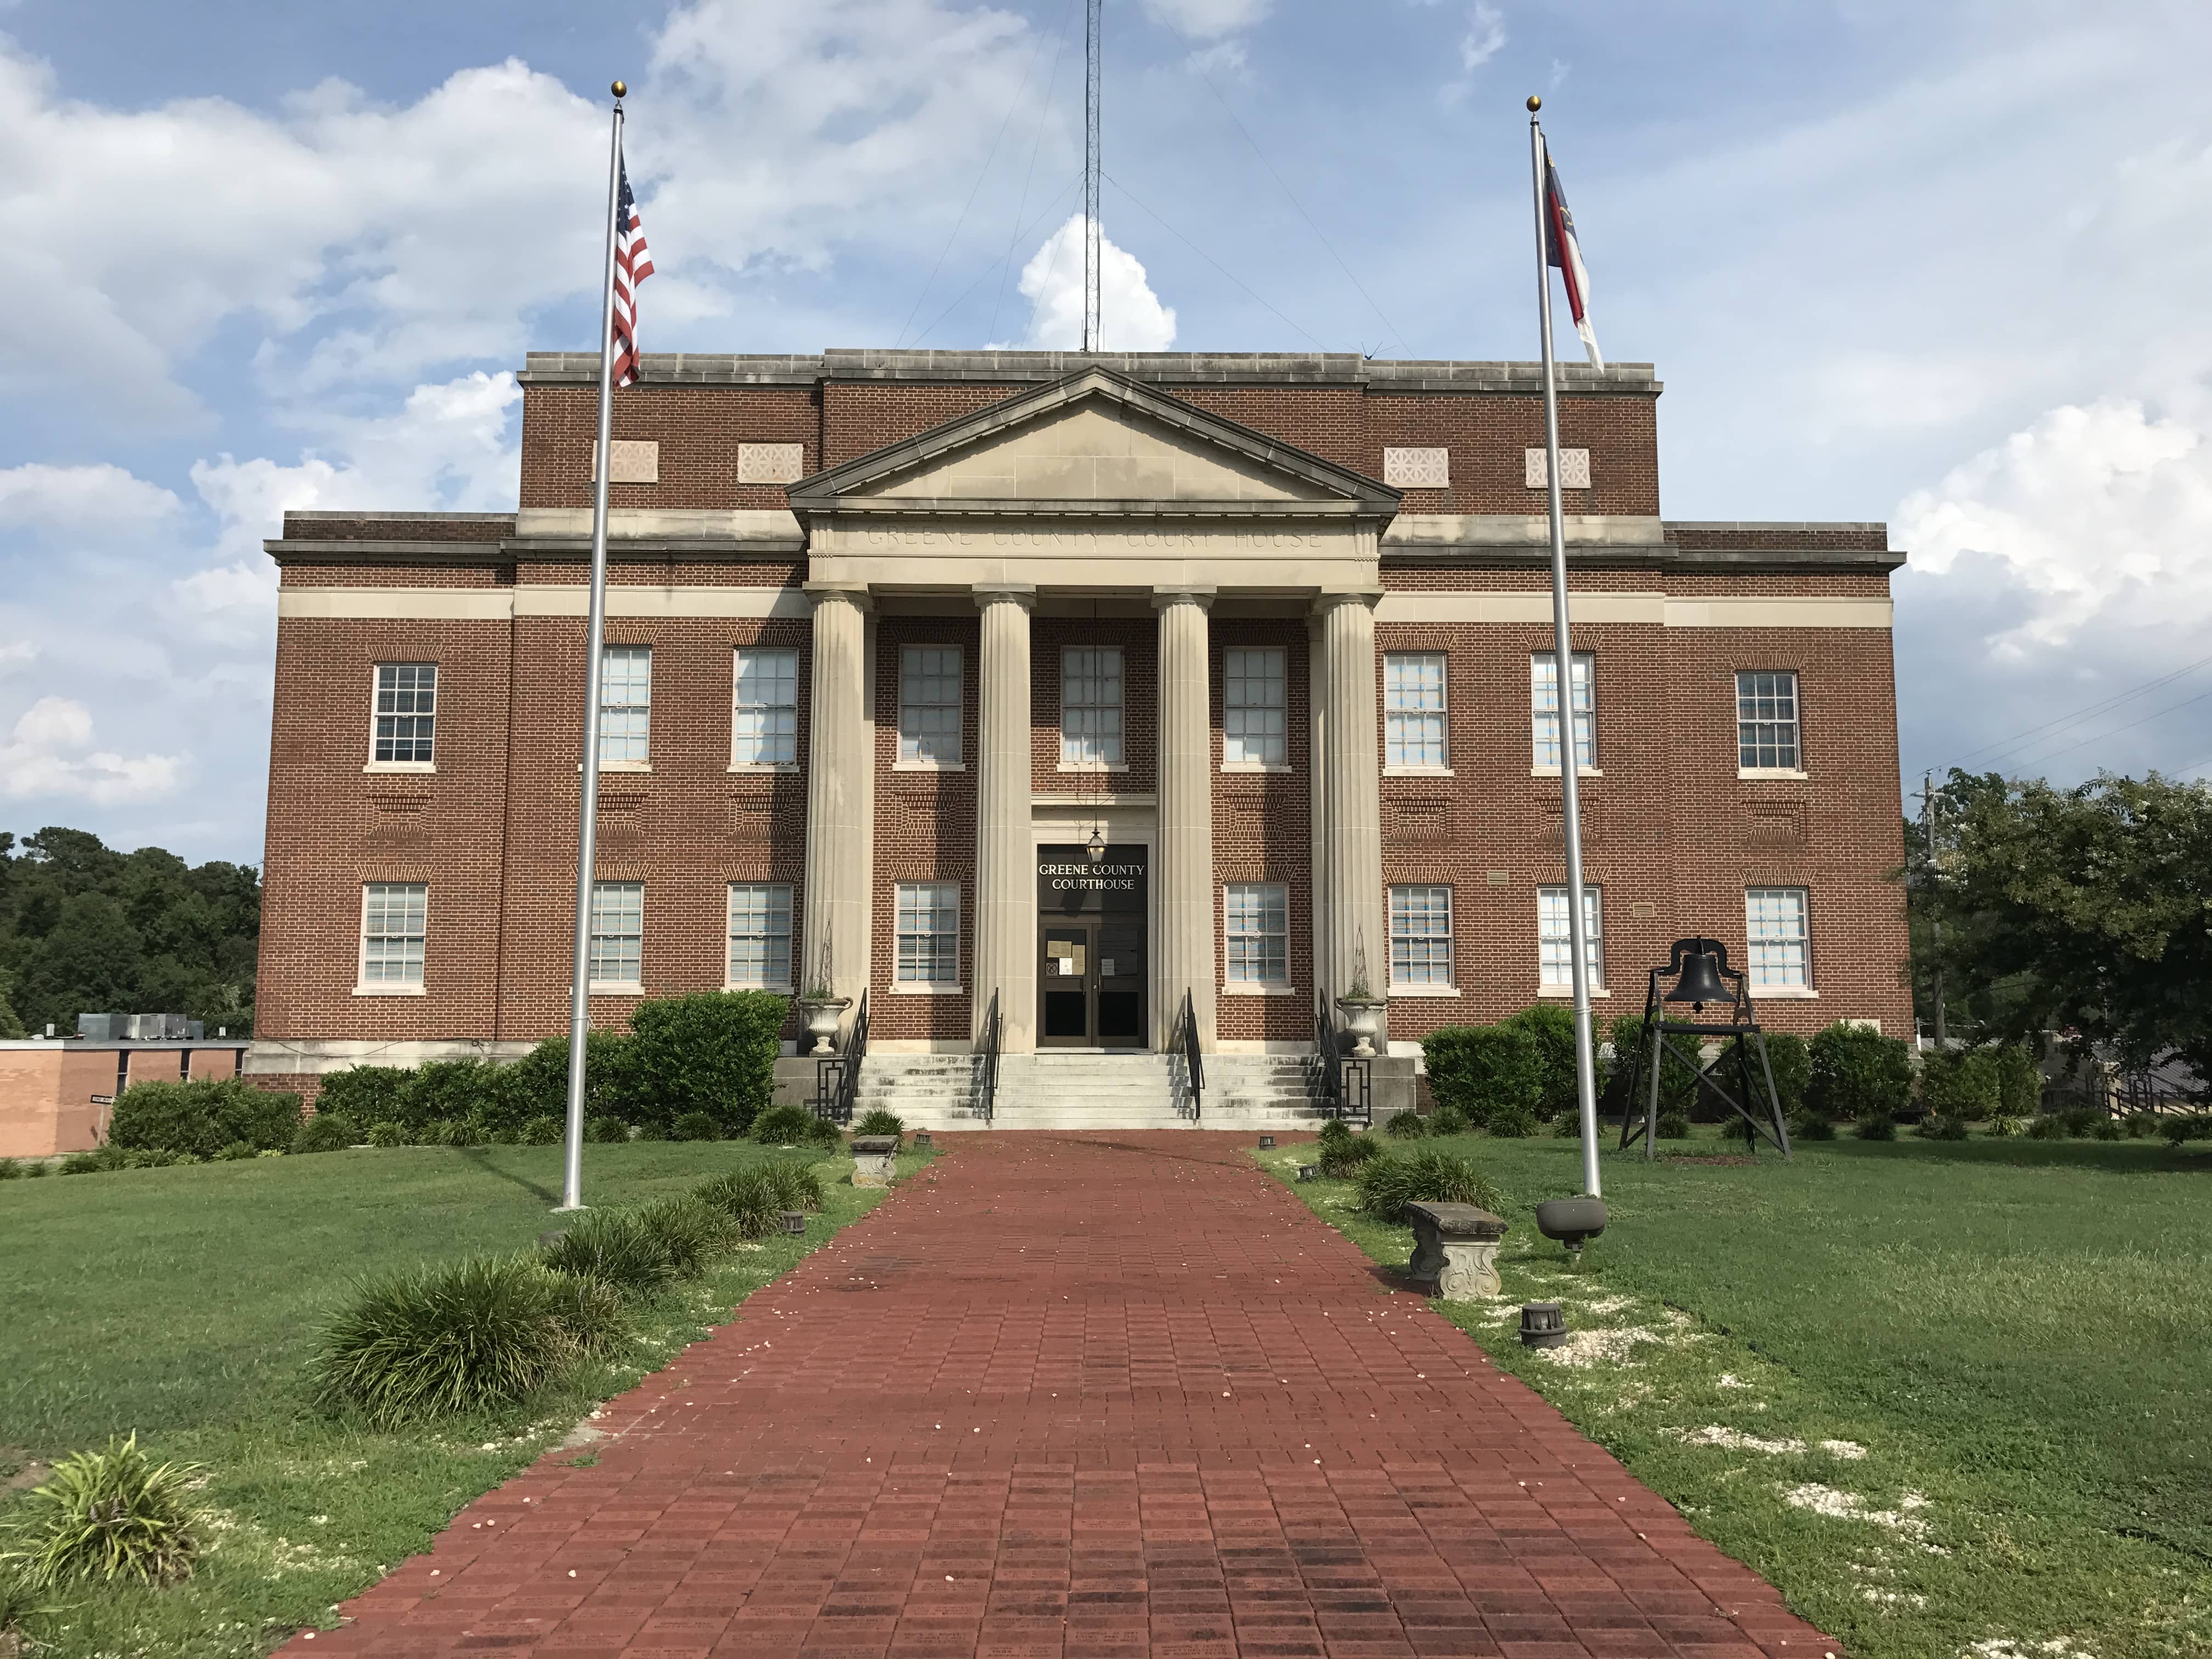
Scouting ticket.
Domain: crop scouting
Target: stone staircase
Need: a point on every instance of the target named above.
(1067, 1090)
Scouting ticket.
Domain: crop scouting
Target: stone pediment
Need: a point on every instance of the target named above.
(1094, 442)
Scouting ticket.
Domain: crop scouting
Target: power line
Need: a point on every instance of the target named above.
(2101, 736)
(2052, 727)
(1043, 214)
(1208, 257)
(1197, 63)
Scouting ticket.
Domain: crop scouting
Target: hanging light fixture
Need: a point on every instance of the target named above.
(1095, 848)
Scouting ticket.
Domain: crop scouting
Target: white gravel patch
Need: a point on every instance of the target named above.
(1727, 1380)
(1613, 1346)
(1849, 1506)
(1736, 1440)
(1850, 1450)
(2005, 1647)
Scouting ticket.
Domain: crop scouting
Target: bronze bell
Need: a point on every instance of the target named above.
(1700, 981)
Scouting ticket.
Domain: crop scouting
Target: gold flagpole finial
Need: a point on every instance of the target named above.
(1534, 103)
(620, 89)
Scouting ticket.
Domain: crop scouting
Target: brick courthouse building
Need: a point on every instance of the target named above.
(890, 634)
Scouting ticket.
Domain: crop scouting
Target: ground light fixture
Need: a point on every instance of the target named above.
(1309, 1171)
(1571, 1221)
(795, 1222)
(1542, 1325)
(1266, 1143)
(921, 1141)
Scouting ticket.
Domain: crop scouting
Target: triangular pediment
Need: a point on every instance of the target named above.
(1095, 442)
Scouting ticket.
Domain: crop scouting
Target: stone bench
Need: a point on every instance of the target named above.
(1454, 1250)
(874, 1156)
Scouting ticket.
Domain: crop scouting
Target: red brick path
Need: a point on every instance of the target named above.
(1078, 1397)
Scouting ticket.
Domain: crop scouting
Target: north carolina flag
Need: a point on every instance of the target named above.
(1561, 249)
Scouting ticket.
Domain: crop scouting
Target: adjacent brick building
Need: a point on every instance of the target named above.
(890, 634)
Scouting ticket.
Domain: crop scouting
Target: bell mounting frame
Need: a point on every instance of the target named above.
(1699, 968)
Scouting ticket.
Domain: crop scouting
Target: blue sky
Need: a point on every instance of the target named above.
(1943, 266)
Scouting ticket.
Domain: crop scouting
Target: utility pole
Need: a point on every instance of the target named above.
(1090, 48)
(1928, 886)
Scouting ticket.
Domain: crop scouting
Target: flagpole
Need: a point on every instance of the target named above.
(587, 825)
(1564, 681)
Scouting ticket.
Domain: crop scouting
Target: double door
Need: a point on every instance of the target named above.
(1091, 983)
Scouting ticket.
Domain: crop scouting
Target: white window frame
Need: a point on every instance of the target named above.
(946, 751)
(1256, 731)
(378, 893)
(1541, 717)
(1112, 752)
(630, 700)
(1423, 978)
(1760, 768)
(777, 906)
(1397, 712)
(614, 891)
(1760, 940)
(377, 716)
(939, 901)
(1554, 943)
(779, 720)
(1244, 903)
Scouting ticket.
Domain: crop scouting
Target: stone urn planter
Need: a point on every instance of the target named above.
(1363, 1019)
(824, 1014)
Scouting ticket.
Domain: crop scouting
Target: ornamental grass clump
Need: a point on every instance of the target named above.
(691, 1232)
(1346, 1155)
(750, 1198)
(464, 1336)
(1427, 1174)
(325, 1131)
(107, 1516)
(788, 1125)
(1408, 1126)
(794, 1184)
(618, 1247)
(880, 1122)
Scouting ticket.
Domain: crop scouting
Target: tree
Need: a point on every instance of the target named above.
(2084, 911)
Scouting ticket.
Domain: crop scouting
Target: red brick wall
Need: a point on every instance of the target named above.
(697, 428)
(1263, 831)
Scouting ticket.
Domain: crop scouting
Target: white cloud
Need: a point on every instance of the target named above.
(2093, 514)
(1130, 315)
(99, 499)
(1485, 38)
(1209, 20)
(46, 757)
(18, 654)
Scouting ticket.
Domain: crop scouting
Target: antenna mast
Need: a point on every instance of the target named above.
(1091, 21)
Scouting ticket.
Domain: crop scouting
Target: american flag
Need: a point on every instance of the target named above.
(1563, 249)
(632, 265)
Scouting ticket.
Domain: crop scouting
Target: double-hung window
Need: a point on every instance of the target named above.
(1254, 703)
(1090, 707)
(1774, 923)
(1413, 710)
(394, 916)
(1257, 920)
(406, 714)
(929, 932)
(617, 957)
(760, 935)
(1555, 950)
(626, 705)
(764, 708)
(929, 705)
(1420, 937)
(1766, 721)
(1544, 710)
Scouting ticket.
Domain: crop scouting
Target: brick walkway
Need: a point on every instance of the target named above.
(1078, 1397)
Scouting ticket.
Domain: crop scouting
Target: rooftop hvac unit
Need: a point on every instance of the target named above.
(99, 1028)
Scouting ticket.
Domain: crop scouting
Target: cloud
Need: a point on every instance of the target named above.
(18, 654)
(100, 499)
(1209, 20)
(46, 757)
(1130, 315)
(1485, 38)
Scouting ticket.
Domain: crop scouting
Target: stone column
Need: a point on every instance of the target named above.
(1182, 854)
(1006, 936)
(1353, 786)
(1317, 761)
(840, 769)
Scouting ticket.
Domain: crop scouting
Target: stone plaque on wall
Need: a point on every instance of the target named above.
(1417, 469)
(771, 464)
(1574, 469)
(629, 460)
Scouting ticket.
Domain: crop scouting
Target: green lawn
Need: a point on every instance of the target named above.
(183, 1304)
(1942, 1394)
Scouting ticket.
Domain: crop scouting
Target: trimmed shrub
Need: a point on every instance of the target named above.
(1426, 1174)
(1449, 1121)
(2178, 1131)
(2005, 1126)
(2083, 1120)
(202, 1116)
(695, 1125)
(108, 1517)
(749, 1197)
(366, 1094)
(1933, 1127)
(1344, 1156)
(323, 1133)
(387, 1134)
(460, 1091)
(463, 1336)
(1673, 1125)
(537, 1085)
(1552, 1028)
(880, 1122)
(544, 1131)
(1876, 1125)
(1808, 1128)
(1406, 1126)
(1857, 1072)
(2045, 1128)
(605, 1131)
(713, 1052)
(2019, 1080)
(2141, 1126)
(618, 1247)
(1480, 1069)
(2108, 1128)
(1959, 1083)
(1789, 1057)
(1512, 1122)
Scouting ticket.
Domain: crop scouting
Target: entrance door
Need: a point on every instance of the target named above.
(1090, 984)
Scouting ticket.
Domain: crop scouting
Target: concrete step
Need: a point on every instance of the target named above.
(1060, 1090)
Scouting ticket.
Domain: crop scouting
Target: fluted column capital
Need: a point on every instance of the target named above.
(1166, 598)
(990, 593)
(854, 594)
(1367, 597)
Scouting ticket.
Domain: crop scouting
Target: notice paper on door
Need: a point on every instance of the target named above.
(1105, 966)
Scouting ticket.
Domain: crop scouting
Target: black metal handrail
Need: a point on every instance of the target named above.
(837, 1077)
(1342, 1083)
(987, 1065)
(1186, 1038)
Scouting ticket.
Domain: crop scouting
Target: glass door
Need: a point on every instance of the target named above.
(1068, 976)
